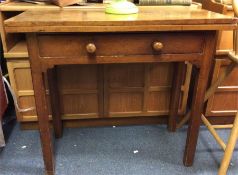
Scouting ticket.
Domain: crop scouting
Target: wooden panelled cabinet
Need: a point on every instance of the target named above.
(131, 90)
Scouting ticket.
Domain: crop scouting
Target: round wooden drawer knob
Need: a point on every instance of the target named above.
(91, 48)
(157, 46)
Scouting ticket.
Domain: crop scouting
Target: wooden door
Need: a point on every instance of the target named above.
(138, 89)
(81, 91)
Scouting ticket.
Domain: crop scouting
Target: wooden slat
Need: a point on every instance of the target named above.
(222, 126)
(213, 132)
(146, 87)
(100, 86)
(138, 114)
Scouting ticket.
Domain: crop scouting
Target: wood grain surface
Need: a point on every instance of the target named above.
(148, 19)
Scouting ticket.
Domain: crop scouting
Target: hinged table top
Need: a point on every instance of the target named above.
(156, 18)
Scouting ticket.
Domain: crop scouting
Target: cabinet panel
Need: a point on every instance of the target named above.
(225, 100)
(126, 75)
(23, 78)
(27, 102)
(159, 102)
(77, 77)
(79, 104)
(232, 80)
(160, 74)
(125, 102)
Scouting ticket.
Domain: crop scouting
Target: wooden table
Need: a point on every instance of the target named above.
(155, 34)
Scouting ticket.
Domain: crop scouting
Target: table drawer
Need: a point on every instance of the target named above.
(75, 45)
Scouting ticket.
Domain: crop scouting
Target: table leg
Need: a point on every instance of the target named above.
(55, 102)
(200, 86)
(43, 121)
(195, 120)
(41, 103)
(175, 95)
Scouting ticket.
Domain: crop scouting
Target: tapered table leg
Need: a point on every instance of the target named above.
(175, 95)
(55, 102)
(44, 123)
(41, 104)
(200, 86)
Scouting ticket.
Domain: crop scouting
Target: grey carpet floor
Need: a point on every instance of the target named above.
(125, 150)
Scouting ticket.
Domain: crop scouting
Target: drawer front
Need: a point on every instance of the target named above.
(126, 44)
